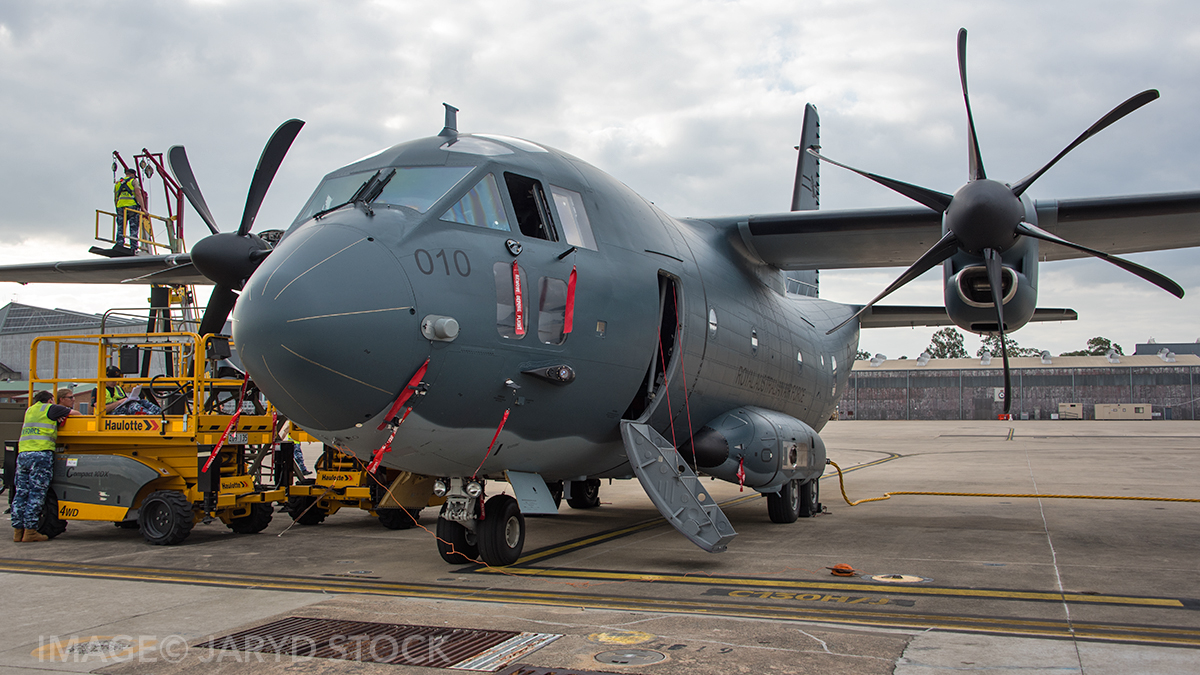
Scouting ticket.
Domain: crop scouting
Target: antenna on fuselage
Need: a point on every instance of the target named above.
(451, 128)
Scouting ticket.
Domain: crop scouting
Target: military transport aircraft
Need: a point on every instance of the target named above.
(485, 307)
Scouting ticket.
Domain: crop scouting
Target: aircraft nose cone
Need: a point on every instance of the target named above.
(321, 324)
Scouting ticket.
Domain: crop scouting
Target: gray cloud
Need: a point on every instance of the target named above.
(694, 104)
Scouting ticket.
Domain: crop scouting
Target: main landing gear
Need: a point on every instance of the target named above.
(794, 500)
(470, 528)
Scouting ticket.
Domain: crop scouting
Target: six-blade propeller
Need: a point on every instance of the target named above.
(986, 218)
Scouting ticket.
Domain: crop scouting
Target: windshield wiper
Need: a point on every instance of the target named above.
(366, 193)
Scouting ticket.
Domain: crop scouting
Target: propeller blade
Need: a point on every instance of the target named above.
(268, 164)
(943, 249)
(974, 158)
(220, 304)
(178, 159)
(1115, 114)
(995, 272)
(1146, 273)
(938, 201)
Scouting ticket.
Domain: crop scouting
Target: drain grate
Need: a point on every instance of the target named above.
(400, 644)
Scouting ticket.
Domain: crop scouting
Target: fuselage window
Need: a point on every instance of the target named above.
(506, 302)
(576, 227)
(552, 310)
(482, 207)
(532, 209)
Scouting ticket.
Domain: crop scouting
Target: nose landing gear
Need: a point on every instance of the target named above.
(469, 528)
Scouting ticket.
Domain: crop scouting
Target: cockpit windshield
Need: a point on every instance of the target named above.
(418, 188)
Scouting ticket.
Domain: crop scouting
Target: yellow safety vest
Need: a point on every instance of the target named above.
(39, 432)
(114, 393)
(123, 192)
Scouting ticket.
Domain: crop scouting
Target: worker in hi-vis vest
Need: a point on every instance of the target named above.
(35, 461)
(128, 196)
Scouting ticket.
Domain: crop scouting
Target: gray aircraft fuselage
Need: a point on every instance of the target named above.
(330, 326)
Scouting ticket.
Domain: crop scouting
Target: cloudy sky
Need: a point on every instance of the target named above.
(696, 104)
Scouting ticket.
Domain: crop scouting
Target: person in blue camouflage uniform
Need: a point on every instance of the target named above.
(35, 461)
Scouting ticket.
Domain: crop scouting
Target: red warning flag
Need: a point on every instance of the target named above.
(569, 319)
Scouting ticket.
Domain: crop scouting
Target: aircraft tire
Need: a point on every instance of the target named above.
(299, 511)
(590, 498)
(256, 521)
(49, 523)
(455, 543)
(165, 518)
(502, 534)
(810, 498)
(784, 506)
(398, 519)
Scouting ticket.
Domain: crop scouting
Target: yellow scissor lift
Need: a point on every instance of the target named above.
(148, 471)
(342, 481)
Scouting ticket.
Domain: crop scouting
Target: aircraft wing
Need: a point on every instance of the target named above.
(893, 316)
(895, 237)
(176, 268)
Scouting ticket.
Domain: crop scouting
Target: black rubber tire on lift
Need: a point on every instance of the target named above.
(256, 521)
(810, 498)
(49, 523)
(298, 509)
(455, 543)
(398, 519)
(784, 506)
(590, 498)
(165, 518)
(502, 532)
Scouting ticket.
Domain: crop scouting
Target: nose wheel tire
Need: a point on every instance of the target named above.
(165, 518)
(810, 498)
(502, 533)
(456, 544)
(784, 506)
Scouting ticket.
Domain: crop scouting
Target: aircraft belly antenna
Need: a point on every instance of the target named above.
(451, 128)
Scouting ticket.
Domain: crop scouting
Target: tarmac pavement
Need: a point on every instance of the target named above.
(986, 584)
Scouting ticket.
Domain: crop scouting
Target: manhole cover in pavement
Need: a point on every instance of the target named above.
(630, 657)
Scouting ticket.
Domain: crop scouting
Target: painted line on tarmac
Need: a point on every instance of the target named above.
(861, 615)
(573, 545)
(847, 587)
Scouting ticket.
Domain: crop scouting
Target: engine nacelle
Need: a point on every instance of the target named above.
(968, 293)
(770, 447)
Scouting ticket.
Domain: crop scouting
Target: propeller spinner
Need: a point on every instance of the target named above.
(229, 258)
(986, 217)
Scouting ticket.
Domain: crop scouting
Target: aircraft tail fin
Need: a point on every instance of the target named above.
(806, 195)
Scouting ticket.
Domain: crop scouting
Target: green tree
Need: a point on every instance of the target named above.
(862, 356)
(947, 343)
(991, 343)
(1097, 346)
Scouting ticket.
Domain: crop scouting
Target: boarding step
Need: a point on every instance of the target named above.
(675, 489)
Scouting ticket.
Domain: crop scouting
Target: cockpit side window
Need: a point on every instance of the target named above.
(481, 207)
(531, 208)
(576, 227)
